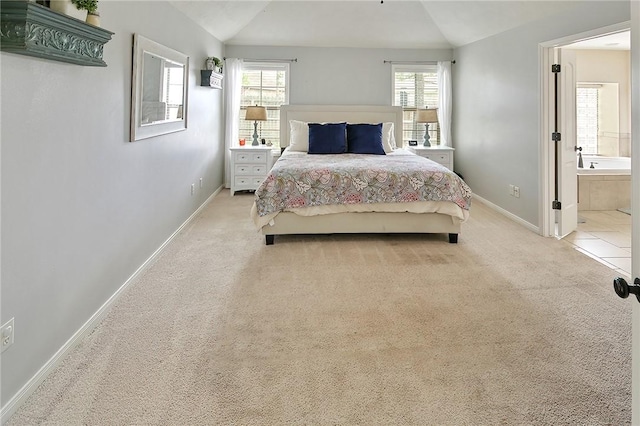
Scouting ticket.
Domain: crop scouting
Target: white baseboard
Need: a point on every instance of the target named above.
(18, 399)
(517, 219)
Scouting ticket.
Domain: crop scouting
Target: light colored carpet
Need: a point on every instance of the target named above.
(505, 327)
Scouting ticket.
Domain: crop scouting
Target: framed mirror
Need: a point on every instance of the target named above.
(158, 89)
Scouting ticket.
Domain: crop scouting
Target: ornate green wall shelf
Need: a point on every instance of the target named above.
(29, 28)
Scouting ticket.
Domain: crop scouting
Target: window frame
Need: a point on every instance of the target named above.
(266, 66)
(588, 149)
(416, 132)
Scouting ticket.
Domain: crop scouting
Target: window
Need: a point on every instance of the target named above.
(587, 119)
(173, 93)
(267, 85)
(416, 87)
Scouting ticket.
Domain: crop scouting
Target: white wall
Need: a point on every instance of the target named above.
(339, 76)
(83, 208)
(496, 107)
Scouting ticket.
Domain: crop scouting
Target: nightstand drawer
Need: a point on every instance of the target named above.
(248, 169)
(439, 154)
(439, 158)
(250, 157)
(248, 182)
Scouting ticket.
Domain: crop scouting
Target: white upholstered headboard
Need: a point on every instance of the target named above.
(339, 113)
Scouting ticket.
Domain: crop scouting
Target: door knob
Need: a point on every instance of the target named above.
(623, 289)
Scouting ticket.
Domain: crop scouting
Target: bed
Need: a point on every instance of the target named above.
(288, 202)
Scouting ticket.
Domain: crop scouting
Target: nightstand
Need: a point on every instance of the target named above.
(437, 153)
(249, 166)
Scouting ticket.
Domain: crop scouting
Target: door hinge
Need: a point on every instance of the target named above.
(556, 136)
(555, 68)
(556, 205)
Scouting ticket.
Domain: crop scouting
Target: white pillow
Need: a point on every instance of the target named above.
(388, 137)
(298, 136)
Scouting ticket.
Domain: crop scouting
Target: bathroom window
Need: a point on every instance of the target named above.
(587, 119)
(598, 118)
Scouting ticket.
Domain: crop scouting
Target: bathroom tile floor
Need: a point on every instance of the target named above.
(606, 237)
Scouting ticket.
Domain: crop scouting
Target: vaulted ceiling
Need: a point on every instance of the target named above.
(363, 23)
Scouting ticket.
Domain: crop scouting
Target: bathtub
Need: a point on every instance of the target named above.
(619, 166)
(605, 187)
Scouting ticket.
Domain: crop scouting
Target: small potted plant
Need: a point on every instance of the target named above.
(214, 64)
(91, 6)
(218, 65)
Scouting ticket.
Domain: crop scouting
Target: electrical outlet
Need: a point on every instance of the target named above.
(7, 332)
(511, 189)
(516, 191)
(200, 182)
(193, 188)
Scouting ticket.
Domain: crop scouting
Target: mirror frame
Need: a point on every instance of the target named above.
(142, 45)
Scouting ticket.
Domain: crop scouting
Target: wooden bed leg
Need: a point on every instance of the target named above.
(269, 239)
(453, 238)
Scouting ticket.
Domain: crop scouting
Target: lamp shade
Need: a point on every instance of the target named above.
(256, 113)
(427, 116)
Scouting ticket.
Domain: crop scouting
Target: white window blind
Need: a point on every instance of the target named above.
(416, 87)
(267, 85)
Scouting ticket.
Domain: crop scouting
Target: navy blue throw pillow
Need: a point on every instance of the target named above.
(365, 139)
(330, 138)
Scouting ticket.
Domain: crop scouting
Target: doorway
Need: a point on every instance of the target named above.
(600, 60)
(603, 138)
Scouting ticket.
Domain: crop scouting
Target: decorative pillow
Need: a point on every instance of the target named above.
(388, 137)
(329, 138)
(365, 139)
(298, 136)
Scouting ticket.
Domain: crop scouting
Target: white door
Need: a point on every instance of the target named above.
(635, 205)
(567, 216)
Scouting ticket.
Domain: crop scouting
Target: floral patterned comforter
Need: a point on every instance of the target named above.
(297, 181)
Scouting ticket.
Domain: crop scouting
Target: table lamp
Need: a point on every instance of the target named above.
(427, 116)
(256, 113)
